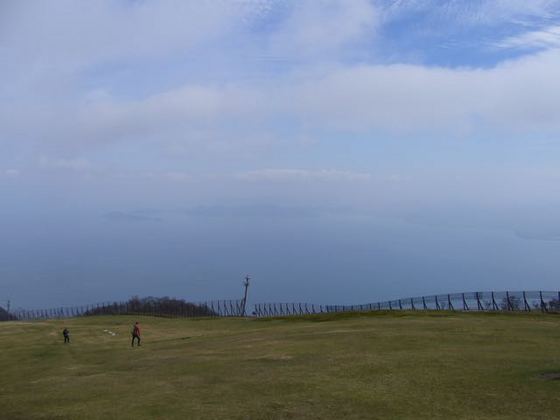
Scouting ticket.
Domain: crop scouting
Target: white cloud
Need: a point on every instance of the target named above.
(543, 39)
(192, 115)
(176, 176)
(303, 175)
(248, 116)
(517, 96)
(475, 12)
(46, 50)
(12, 173)
(318, 26)
(520, 11)
(69, 34)
(75, 164)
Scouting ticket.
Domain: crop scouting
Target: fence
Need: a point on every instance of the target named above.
(527, 301)
(152, 307)
(544, 301)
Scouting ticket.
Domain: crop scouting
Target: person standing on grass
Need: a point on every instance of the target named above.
(66, 335)
(135, 333)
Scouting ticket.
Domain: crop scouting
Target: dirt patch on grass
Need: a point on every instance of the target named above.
(550, 376)
(272, 358)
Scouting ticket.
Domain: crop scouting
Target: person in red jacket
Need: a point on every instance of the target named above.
(135, 333)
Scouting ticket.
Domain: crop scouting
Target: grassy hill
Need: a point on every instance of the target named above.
(399, 365)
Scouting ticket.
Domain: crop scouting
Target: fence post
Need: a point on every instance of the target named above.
(390, 306)
(508, 302)
(437, 303)
(412, 304)
(494, 304)
(400, 305)
(424, 303)
(527, 307)
(543, 305)
(480, 307)
(465, 306)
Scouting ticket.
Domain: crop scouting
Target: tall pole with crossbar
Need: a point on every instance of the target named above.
(246, 284)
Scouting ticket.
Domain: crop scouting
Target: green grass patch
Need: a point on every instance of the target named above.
(346, 365)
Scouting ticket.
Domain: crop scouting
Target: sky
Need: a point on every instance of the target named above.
(337, 151)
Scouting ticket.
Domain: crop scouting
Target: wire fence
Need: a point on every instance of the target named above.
(523, 301)
(153, 307)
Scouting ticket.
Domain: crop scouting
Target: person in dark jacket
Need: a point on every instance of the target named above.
(66, 335)
(135, 333)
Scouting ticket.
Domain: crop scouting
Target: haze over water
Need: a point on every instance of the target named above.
(336, 151)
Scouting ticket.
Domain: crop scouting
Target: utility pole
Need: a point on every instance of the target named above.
(246, 284)
(8, 306)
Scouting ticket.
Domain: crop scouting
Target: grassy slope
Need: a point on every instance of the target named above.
(376, 366)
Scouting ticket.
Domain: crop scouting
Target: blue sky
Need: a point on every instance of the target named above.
(168, 148)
